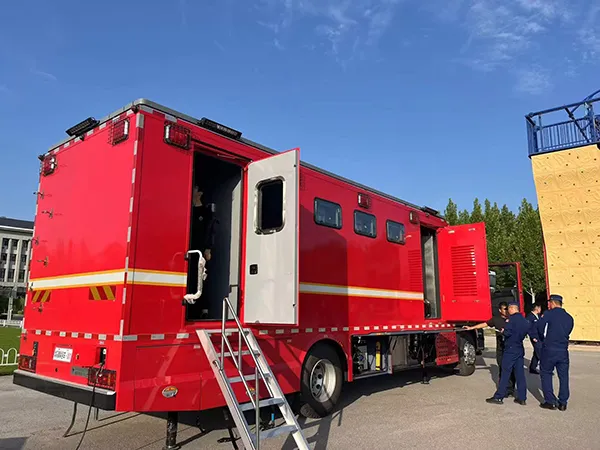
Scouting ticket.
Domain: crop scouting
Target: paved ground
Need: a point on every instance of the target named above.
(377, 413)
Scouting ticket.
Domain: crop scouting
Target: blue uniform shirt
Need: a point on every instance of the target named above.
(554, 329)
(515, 330)
(532, 318)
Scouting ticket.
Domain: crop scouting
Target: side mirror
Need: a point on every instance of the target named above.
(492, 276)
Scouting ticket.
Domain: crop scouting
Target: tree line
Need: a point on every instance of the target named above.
(510, 237)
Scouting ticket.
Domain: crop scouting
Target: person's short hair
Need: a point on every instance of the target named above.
(536, 305)
(502, 305)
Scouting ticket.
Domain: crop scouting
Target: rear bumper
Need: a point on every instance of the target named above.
(103, 398)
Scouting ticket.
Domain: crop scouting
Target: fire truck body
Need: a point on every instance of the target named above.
(320, 269)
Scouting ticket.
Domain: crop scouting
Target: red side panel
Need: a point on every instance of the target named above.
(464, 280)
(160, 237)
(81, 229)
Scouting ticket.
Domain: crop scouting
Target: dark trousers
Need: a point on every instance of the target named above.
(550, 360)
(536, 357)
(499, 355)
(513, 366)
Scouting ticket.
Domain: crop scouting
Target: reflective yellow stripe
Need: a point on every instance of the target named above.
(36, 295)
(45, 296)
(95, 293)
(108, 292)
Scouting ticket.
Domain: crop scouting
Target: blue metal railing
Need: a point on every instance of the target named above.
(581, 127)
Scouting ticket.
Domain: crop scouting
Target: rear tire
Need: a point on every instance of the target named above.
(467, 354)
(322, 379)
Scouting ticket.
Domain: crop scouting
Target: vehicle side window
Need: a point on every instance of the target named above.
(270, 206)
(328, 214)
(395, 232)
(365, 224)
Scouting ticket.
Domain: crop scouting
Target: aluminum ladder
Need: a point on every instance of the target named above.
(262, 371)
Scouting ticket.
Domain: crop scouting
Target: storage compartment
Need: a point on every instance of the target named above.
(431, 286)
(215, 230)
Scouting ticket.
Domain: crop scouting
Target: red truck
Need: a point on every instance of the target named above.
(325, 279)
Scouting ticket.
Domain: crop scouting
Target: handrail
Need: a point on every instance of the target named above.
(258, 374)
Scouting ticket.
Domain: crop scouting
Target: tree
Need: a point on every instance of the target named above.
(477, 214)
(464, 217)
(451, 213)
(530, 248)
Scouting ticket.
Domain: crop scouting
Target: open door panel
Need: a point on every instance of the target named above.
(271, 240)
(464, 280)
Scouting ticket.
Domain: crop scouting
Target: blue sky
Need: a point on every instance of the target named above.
(422, 99)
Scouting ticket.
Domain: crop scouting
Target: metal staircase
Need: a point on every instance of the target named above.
(247, 345)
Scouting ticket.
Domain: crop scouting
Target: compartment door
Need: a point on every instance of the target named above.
(464, 280)
(271, 240)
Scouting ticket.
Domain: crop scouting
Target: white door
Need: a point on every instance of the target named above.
(271, 263)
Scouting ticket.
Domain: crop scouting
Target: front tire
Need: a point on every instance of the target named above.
(467, 355)
(322, 379)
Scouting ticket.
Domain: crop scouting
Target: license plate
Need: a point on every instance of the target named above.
(63, 354)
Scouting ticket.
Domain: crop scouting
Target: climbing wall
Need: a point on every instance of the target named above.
(568, 190)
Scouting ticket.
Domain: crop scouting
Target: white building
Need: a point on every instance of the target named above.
(15, 249)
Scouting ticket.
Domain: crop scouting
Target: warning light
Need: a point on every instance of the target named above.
(119, 131)
(177, 135)
(27, 363)
(48, 165)
(364, 201)
(102, 378)
(413, 217)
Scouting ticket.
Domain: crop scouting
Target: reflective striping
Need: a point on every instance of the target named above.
(139, 121)
(352, 291)
(191, 336)
(103, 293)
(156, 278)
(41, 296)
(79, 280)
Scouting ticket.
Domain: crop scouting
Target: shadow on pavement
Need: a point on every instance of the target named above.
(534, 385)
(12, 443)
(351, 393)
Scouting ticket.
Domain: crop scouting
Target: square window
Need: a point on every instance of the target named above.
(395, 232)
(365, 224)
(328, 214)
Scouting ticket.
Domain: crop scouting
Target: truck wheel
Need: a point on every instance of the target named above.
(322, 379)
(466, 350)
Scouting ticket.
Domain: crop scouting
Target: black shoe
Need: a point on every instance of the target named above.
(520, 402)
(534, 371)
(510, 393)
(547, 405)
(494, 401)
(562, 407)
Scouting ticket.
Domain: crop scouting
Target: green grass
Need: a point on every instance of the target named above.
(9, 338)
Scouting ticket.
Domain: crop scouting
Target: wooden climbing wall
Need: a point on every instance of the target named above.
(568, 190)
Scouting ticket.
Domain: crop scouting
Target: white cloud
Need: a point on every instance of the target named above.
(346, 27)
(535, 80)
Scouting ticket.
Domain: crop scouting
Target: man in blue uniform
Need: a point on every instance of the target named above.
(515, 330)
(553, 331)
(533, 317)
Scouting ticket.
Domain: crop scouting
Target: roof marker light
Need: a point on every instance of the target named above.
(220, 129)
(82, 127)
